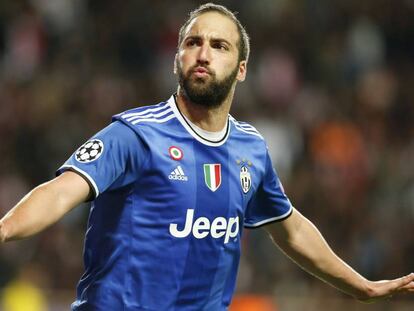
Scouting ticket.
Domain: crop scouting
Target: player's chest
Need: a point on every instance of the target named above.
(190, 170)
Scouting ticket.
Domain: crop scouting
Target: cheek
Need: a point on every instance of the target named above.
(184, 60)
(227, 67)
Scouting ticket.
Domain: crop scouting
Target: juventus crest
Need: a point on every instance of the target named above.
(245, 179)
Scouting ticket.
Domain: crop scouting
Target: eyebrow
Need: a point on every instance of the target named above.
(195, 37)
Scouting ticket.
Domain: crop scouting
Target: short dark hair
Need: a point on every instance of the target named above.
(244, 40)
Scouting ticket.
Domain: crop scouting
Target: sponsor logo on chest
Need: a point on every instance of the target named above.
(202, 227)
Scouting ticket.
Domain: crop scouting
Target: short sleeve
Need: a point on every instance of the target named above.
(270, 202)
(109, 160)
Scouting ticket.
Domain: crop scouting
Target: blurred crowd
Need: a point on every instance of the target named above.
(330, 85)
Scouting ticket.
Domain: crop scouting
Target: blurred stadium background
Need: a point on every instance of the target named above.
(330, 85)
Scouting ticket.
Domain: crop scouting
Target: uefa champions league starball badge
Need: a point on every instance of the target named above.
(89, 151)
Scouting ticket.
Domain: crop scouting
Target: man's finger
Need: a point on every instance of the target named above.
(408, 286)
(405, 280)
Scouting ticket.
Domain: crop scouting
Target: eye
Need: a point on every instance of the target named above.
(219, 46)
(190, 42)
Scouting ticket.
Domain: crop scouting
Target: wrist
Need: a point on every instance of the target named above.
(367, 291)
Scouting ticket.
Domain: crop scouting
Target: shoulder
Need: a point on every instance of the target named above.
(154, 114)
(246, 129)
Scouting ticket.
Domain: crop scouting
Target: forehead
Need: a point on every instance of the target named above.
(213, 25)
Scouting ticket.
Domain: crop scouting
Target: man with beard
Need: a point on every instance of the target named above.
(172, 187)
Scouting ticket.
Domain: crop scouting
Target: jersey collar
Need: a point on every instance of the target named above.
(204, 140)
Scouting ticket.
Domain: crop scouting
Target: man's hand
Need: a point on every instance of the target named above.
(387, 288)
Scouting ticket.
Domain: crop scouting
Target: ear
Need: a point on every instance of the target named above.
(175, 63)
(241, 75)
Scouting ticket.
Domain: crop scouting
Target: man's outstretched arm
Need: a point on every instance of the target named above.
(303, 243)
(43, 206)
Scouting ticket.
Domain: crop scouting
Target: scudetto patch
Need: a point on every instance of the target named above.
(89, 151)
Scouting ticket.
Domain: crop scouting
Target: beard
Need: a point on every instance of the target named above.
(210, 92)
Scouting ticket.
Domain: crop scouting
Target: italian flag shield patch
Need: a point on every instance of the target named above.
(212, 176)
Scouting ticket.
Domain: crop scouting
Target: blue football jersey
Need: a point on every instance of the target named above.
(168, 210)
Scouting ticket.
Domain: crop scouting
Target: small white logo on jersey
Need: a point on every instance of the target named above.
(178, 174)
(245, 179)
(89, 151)
(202, 227)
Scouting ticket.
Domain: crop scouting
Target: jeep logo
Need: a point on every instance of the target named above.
(201, 227)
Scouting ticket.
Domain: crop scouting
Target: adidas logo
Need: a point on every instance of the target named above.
(178, 174)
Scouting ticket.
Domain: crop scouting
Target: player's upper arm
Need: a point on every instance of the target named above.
(43, 206)
(284, 230)
(71, 189)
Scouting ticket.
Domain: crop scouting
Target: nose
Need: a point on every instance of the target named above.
(204, 55)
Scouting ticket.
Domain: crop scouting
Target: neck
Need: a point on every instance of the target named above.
(209, 119)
